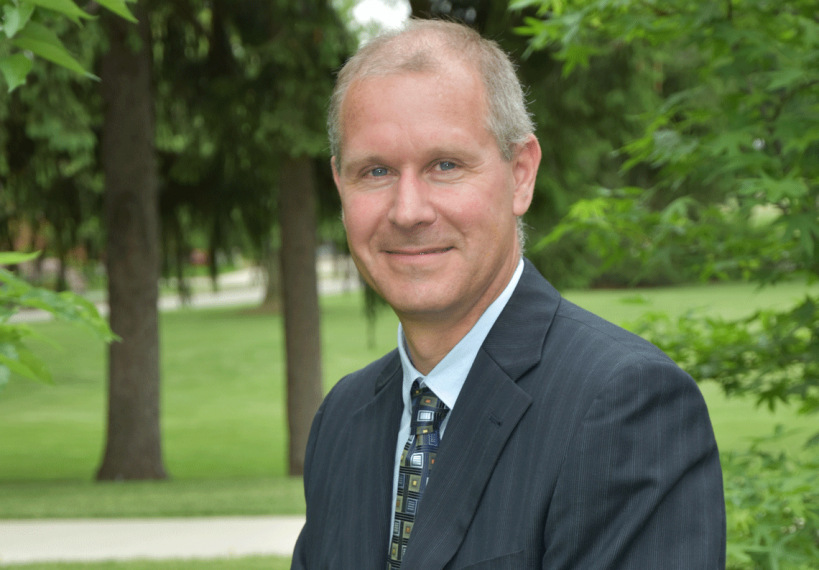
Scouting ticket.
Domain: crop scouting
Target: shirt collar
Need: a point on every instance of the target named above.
(449, 375)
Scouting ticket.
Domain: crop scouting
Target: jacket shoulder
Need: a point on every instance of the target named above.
(365, 382)
(573, 323)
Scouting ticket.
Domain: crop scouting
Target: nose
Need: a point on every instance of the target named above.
(411, 205)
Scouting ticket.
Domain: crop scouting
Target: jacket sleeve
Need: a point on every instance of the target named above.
(641, 487)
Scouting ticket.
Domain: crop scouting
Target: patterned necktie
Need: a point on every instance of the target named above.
(416, 464)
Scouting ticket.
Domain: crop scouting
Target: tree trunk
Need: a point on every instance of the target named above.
(271, 267)
(297, 219)
(133, 448)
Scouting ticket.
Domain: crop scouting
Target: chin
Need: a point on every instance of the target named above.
(427, 305)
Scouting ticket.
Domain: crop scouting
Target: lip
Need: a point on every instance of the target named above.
(418, 252)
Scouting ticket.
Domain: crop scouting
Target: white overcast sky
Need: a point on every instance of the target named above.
(389, 13)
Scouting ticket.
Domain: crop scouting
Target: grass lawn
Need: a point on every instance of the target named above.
(223, 417)
(249, 563)
(223, 407)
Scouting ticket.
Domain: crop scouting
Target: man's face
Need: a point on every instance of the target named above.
(429, 203)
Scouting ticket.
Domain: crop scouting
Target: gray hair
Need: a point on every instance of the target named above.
(423, 46)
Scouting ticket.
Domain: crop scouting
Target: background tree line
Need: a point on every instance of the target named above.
(205, 123)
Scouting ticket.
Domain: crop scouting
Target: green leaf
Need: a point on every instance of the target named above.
(14, 257)
(23, 370)
(15, 68)
(521, 4)
(15, 332)
(43, 42)
(31, 362)
(16, 17)
(11, 281)
(65, 7)
(803, 226)
(786, 78)
(118, 7)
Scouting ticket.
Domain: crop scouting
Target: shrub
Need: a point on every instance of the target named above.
(772, 505)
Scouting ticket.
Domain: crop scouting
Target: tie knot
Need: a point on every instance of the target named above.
(428, 411)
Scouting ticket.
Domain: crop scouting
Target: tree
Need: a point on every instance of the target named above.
(255, 75)
(297, 207)
(27, 35)
(51, 188)
(237, 86)
(133, 446)
(741, 127)
(315, 41)
(48, 167)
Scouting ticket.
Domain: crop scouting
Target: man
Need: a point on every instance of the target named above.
(510, 429)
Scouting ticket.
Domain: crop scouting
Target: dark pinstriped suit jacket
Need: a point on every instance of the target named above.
(573, 445)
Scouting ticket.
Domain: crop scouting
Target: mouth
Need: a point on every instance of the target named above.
(417, 251)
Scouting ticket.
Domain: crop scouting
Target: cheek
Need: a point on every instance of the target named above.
(480, 209)
(360, 219)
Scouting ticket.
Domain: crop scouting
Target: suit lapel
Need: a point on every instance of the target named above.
(369, 472)
(486, 413)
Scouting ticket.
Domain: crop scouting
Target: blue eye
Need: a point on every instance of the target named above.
(447, 165)
(378, 172)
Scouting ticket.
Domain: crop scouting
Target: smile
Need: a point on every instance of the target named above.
(419, 252)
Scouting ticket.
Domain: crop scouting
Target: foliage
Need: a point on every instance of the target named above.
(772, 505)
(581, 121)
(739, 122)
(771, 356)
(29, 34)
(51, 186)
(15, 294)
(630, 242)
(240, 86)
(237, 85)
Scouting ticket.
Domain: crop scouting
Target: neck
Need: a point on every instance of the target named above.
(428, 344)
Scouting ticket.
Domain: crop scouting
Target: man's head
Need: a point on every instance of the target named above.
(431, 175)
(431, 46)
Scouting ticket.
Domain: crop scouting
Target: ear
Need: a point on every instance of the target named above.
(334, 168)
(524, 169)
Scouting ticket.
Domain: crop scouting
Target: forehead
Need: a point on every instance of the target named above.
(397, 104)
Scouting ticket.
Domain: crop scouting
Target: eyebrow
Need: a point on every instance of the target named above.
(455, 152)
(349, 166)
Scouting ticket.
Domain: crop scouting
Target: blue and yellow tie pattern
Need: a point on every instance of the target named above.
(417, 461)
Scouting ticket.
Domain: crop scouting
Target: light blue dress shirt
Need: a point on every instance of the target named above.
(449, 375)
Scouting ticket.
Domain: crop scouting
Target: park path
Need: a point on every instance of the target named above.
(87, 540)
(241, 287)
